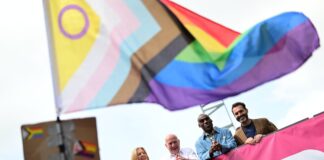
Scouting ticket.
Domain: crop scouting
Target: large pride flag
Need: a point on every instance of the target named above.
(108, 52)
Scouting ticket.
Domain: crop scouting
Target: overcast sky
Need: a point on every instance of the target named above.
(27, 93)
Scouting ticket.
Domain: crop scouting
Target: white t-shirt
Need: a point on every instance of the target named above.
(188, 153)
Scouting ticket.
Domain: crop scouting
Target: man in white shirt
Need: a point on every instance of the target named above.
(172, 143)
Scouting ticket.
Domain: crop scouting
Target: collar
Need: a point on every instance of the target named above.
(174, 155)
(248, 124)
(214, 132)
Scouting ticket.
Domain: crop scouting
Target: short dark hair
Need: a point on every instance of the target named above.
(238, 104)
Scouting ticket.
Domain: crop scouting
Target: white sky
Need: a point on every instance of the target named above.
(27, 94)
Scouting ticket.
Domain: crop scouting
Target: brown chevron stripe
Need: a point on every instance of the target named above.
(169, 31)
(156, 64)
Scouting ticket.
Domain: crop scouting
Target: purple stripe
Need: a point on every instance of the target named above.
(86, 154)
(86, 19)
(286, 56)
(38, 135)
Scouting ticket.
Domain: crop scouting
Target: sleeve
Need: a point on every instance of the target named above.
(203, 153)
(229, 142)
(238, 140)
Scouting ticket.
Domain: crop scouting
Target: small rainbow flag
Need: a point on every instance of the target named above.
(109, 52)
(85, 149)
(33, 132)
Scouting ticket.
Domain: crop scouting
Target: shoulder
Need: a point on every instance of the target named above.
(187, 150)
(200, 138)
(261, 120)
(218, 129)
(222, 130)
(238, 129)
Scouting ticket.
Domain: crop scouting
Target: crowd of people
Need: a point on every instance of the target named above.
(215, 140)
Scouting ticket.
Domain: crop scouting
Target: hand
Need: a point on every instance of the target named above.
(257, 138)
(250, 140)
(216, 146)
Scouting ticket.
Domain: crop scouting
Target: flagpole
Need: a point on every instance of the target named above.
(62, 147)
(48, 23)
(229, 116)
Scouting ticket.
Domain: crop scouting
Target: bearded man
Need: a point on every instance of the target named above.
(251, 130)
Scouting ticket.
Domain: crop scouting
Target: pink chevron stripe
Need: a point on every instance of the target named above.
(104, 70)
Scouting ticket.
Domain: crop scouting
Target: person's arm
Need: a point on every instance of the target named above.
(271, 127)
(238, 140)
(229, 142)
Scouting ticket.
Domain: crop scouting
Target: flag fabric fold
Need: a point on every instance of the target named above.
(116, 52)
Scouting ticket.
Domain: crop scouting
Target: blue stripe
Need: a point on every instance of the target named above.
(179, 73)
(244, 56)
(148, 28)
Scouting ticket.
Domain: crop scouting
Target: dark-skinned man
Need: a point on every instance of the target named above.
(214, 141)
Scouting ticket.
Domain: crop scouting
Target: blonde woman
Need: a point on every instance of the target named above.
(139, 153)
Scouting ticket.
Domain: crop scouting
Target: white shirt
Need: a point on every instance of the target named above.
(188, 153)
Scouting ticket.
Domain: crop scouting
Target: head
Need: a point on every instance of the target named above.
(139, 153)
(240, 112)
(172, 143)
(205, 123)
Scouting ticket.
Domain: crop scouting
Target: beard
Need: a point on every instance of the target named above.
(242, 118)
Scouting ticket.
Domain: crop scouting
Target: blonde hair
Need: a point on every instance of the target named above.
(134, 153)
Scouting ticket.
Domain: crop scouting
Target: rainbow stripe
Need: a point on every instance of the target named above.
(87, 149)
(109, 52)
(267, 51)
(34, 132)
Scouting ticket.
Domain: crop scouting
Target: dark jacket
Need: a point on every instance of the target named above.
(262, 126)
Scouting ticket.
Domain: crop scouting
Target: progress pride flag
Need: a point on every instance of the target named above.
(304, 140)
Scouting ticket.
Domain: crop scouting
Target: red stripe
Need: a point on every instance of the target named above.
(224, 35)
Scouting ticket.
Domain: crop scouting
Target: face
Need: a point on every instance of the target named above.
(172, 143)
(141, 154)
(205, 123)
(240, 114)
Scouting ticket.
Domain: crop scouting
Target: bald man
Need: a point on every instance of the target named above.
(214, 141)
(172, 143)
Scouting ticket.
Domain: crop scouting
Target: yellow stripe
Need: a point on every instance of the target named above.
(207, 41)
(92, 149)
(70, 53)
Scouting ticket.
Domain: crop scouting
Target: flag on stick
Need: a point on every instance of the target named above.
(109, 52)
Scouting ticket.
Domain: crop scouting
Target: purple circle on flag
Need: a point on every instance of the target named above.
(86, 19)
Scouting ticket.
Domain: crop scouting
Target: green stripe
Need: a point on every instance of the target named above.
(195, 53)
